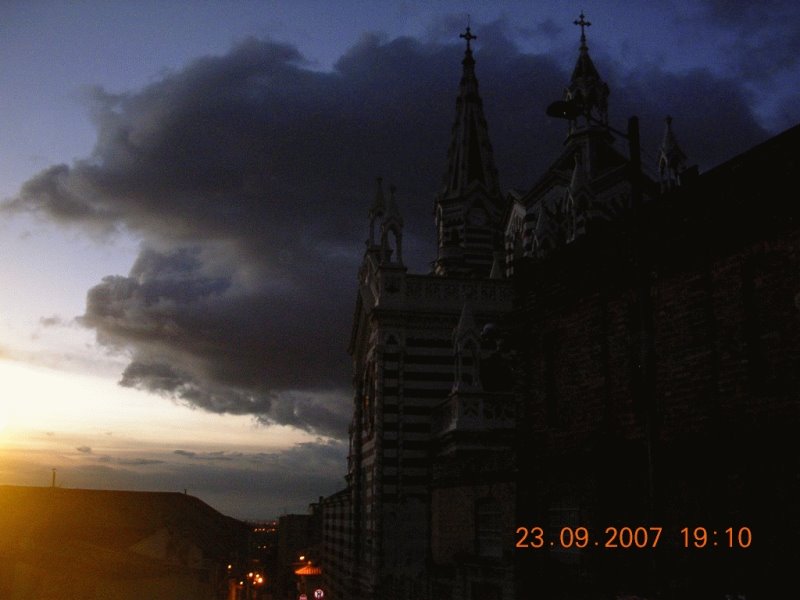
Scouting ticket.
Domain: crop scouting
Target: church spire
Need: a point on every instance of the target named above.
(470, 157)
(468, 206)
(392, 230)
(376, 212)
(586, 88)
(671, 159)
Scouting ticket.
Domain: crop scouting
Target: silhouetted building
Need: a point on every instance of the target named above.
(263, 540)
(255, 575)
(64, 544)
(407, 361)
(338, 555)
(597, 366)
(299, 544)
(660, 387)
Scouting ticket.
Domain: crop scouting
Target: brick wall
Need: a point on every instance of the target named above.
(660, 383)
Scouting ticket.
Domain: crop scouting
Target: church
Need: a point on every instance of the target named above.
(594, 392)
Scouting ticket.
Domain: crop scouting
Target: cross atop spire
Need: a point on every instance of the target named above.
(583, 23)
(467, 35)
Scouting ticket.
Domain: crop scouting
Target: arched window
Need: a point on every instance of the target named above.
(391, 245)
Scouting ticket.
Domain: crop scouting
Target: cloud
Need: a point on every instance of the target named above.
(254, 485)
(84, 449)
(248, 178)
(762, 50)
(713, 118)
(51, 321)
(219, 455)
(186, 453)
(767, 38)
(128, 461)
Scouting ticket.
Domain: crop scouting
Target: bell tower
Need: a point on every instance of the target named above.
(469, 205)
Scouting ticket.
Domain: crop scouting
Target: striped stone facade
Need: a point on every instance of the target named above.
(404, 364)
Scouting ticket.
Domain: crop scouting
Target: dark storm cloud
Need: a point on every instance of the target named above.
(712, 118)
(767, 35)
(249, 176)
(262, 486)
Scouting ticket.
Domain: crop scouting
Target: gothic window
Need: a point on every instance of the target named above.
(369, 401)
(519, 249)
(391, 245)
(467, 375)
(515, 244)
(372, 231)
(570, 221)
(467, 362)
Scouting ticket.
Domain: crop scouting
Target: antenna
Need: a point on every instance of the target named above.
(53, 482)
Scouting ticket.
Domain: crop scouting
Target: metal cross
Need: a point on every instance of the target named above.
(583, 23)
(469, 37)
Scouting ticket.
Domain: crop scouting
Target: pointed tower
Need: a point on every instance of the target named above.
(586, 88)
(469, 206)
(589, 139)
(671, 159)
(392, 231)
(590, 182)
(466, 350)
(376, 212)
